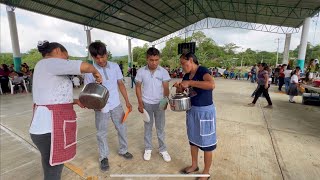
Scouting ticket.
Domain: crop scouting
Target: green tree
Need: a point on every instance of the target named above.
(139, 54)
(6, 58)
(31, 57)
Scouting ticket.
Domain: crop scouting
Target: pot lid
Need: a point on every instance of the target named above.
(180, 96)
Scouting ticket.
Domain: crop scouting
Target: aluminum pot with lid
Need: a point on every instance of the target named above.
(94, 96)
(180, 102)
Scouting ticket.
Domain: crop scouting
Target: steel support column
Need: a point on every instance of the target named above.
(88, 33)
(14, 38)
(285, 59)
(303, 43)
(129, 53)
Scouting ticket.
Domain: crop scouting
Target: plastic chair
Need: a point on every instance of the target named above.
(12, 86)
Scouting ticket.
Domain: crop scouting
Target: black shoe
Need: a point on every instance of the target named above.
(127, 155)
(104, 165)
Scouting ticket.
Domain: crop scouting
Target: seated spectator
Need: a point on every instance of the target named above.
(17, 81)
(11, 68)
(4, 78)
(226, 74)
(76, 81)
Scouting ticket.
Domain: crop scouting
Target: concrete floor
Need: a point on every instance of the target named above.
(253, 142)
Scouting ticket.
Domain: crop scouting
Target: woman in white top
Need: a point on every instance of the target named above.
(287, 77)
(53, 127)
(294, 82)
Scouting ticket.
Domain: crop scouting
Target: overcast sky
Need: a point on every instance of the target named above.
(33, 27)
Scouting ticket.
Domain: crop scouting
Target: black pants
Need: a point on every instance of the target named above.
(4, 80)
(43, 143)
(264, 91)
(281, 83)
(133, 81)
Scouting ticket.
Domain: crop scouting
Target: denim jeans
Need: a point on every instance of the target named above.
(253, 78)
(287, 83)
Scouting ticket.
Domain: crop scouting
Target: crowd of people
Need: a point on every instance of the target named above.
(53, 127)
(17, 78)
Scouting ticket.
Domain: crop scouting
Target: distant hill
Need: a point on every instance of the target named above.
(118, 58)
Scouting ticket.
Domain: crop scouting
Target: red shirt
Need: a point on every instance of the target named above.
(281, 73)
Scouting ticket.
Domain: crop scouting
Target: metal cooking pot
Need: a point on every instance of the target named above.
(180, 102)
(94, 96)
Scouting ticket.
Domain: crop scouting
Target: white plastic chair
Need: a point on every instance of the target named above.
(12, 86)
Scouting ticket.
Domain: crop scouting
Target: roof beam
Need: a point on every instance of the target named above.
(219, 7)
(133, 15)
(271, 10)
(290, 12)
(104, 16)
(103, 10)
(234, 11)
(163, 14)
(147, 15)
(185, 4)
(208, 2)
(173, 13)
(81, 15)
(201, 8)
(174, 10)
(255, 17)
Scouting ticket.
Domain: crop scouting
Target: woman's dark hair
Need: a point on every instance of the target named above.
(265, 66)
(190, 55)
(97, 48)
(295, 71)
(5, 68)
(153, 52)
(46, 47)
(288, 67)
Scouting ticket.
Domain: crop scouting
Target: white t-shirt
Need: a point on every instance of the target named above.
(111, 74)
(51, 85)
(294, 79)
(152, 90)
(287, 73)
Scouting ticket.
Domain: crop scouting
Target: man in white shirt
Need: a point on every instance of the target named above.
(112, 80)
(155, 91)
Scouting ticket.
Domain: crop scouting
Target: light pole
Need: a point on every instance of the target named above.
(241, 57)
(278, 41)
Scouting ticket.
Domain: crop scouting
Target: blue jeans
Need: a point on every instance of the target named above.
(253, 78)
(287, 83)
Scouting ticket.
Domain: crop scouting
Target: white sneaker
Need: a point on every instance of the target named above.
(147, 155)
(165, 155)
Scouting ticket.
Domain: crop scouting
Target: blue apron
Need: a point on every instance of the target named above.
(201, 125)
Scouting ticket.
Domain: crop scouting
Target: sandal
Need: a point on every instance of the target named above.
(184, 170)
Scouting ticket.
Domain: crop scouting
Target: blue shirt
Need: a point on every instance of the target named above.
(203, 97)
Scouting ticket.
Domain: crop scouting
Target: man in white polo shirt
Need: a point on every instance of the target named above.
(112, 80)
(155, 81)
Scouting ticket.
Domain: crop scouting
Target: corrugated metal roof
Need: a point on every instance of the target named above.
(153, 19)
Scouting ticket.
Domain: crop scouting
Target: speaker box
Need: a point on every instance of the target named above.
(184, 48)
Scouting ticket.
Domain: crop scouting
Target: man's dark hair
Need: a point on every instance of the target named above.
(97, 48)
(153, 52)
